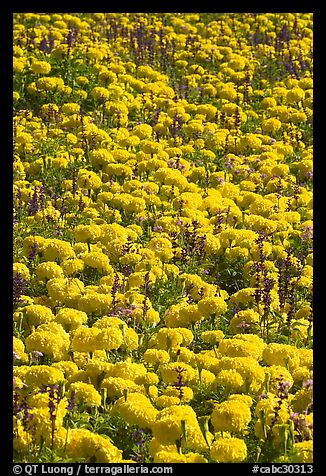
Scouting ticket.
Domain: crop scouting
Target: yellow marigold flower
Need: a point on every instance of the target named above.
(301, 375)
(155, 446)
(242, 346)
(56, 249)
(162, 248)
(104, 197)
(304, 167)
(19, 372)
(228, 450)
(135, 205)
(151, 316)
(25, 300)
(295, 95)
(49, 212)
(268, 413)
(182, 315)
(184, 395)
(149, 379)
(231, 415)
(137, 279)
(212, 306)
(228, 92)
(85, 394)
(156, 357)
(236, 252)
(244, 296)
(114, 231)
(21, 438)
(277, 374)
(167, 456)
(268, 102)
(68, 368)
(212, 337)
(97, 260)
(36, 314)
(84, 339)
(261, 206)
(179, 422)
(164, 401)
(64, 289)
(230, 379)
(101, 157)
(150, 147)
(258, 222)
(72, 140)
(19, 64)
(83, 443)
(248, 368)
(170, 372)
(34, 243)
(303, 398)
(212, 244)
(88, 179)
(130, 339)
(40, 422)
(244, 321)
(72, 266)
(306, 357)
(206, 359)
(70, 108)
(96, 366)
(51, 341)
(306, 83)
(40, 67)
(130, 259)
(187, 335)
(281, 354)
(87, 233)
(20, 269)
(48, 110)
(271, 125)
(100, 93)
(117, 386)
(128, 370)
(50, 84)
(242, 397)
(109, 321)
(109, 338)
(250, 142)
(19, 350)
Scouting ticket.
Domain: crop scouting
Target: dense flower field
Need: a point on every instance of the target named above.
(162, 237)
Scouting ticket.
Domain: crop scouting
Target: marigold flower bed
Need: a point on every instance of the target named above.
(163, 237)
